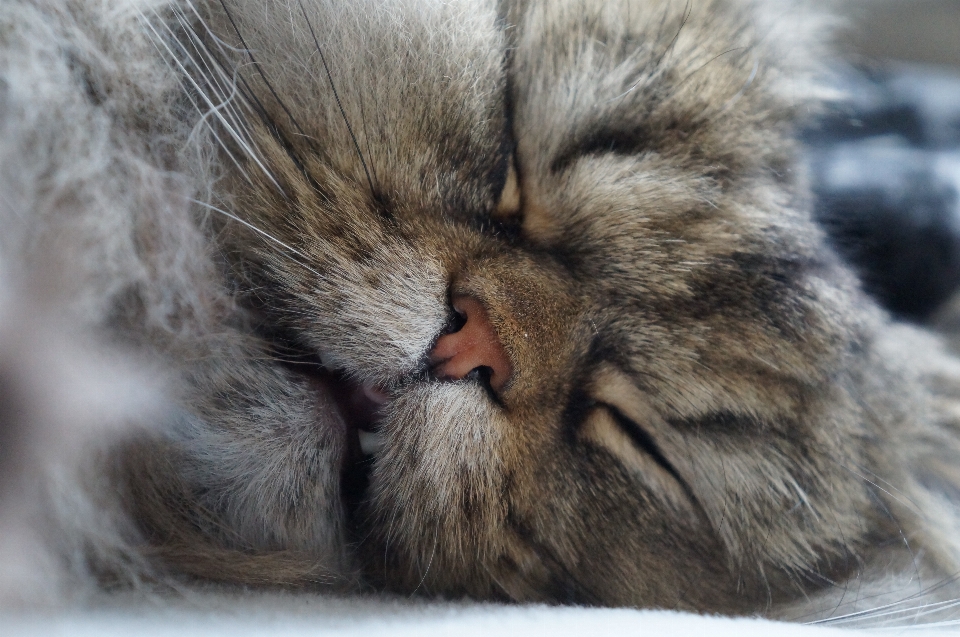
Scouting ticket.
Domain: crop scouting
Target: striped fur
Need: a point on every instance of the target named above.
(270, 206)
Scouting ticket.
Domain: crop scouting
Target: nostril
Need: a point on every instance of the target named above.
(483, 374)
(456, 322)
(473, 350)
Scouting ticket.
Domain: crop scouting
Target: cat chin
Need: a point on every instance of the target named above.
(431, 433)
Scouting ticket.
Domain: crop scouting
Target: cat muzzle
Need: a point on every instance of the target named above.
(475, 348)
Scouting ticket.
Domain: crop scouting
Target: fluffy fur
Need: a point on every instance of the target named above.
(271, 208)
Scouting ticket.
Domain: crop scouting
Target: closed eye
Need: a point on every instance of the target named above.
(506, 219)
(607, 428)
(508, 206)
(621, 141)
(642, 440)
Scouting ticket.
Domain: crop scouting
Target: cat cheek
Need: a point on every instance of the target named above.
(600, 430)
(328, 418)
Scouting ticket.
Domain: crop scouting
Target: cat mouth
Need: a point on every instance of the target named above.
(348, 410)
(360, 408)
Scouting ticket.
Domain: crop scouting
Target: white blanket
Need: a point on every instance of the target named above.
(281, 615)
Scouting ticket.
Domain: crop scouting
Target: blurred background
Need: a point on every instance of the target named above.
(920, 31)
(885, 157)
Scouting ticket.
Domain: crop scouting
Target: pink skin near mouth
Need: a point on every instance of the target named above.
(454, 356)
(355, 405)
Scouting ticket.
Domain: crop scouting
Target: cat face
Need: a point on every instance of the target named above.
(550, 296)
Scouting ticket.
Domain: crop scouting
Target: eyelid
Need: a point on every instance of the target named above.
(508, 207)
(604, 429)
(603, 140)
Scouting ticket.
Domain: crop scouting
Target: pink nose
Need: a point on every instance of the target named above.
(473, 346)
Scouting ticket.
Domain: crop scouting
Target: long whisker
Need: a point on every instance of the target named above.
(215, 74)
(213, 108)
(366, 134)
(264, 234)
(336, 96)
(865, 615)
(426, 571)
(259, 69)
(916, 612)
(885, 609)
(278, 135)
(226, 94)
(898, 498)
(911, 612)
(687, 12)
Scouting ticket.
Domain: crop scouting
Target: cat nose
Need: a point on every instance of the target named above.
(474, 348)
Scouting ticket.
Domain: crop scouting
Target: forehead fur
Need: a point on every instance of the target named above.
(415, 87)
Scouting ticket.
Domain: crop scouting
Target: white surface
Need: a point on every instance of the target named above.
(277, 615)
(526, 622)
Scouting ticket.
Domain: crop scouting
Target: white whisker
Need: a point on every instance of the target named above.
(233, 127)
(262, 233)
(891, 609)
(902, 500)
(172, 56)
(225, 79)
(914, 615)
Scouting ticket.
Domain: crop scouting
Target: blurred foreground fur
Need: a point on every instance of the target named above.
(80, 190)
(703, 411)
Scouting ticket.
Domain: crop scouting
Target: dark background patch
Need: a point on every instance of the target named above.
(885, 164)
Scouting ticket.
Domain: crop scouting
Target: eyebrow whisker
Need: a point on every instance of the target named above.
(336, 96)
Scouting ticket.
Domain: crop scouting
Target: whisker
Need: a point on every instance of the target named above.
(867, 614)
(907, 503)
(915, 612)
(213, 108)
(926, 609)
(227, 83)
(259, 69)
(687, 12)
(743, 89)
(366, 135)
(336, 96)
(262, 233)
(426, 571)
(893, 488)
(706, 64)
(215, 112)
(278, 135)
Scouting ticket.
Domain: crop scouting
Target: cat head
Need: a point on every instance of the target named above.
(553, 265)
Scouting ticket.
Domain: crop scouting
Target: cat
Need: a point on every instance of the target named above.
(515, 301)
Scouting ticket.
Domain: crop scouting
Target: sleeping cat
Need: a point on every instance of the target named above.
(513, 301)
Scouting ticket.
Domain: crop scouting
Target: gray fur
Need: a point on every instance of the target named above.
(704, 411)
